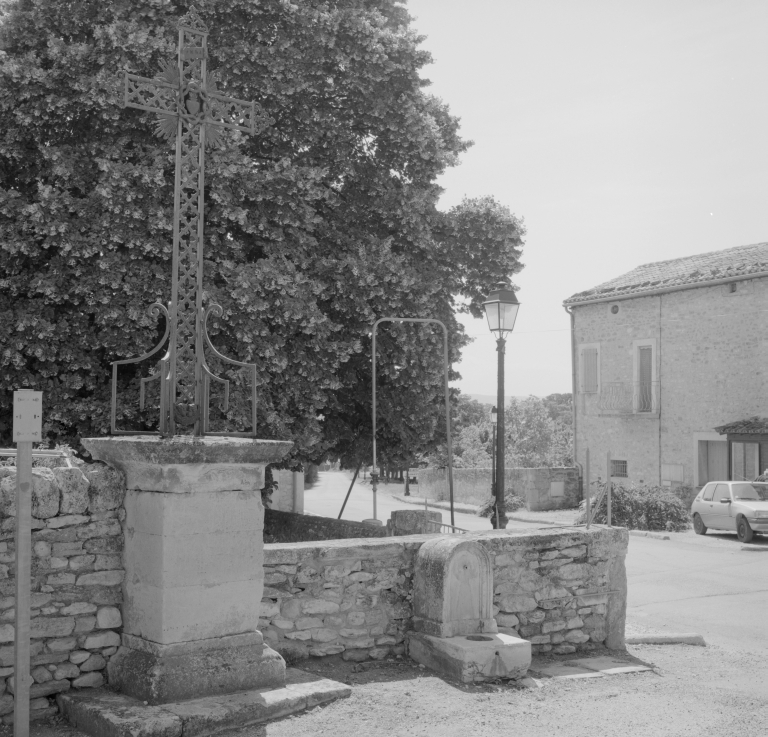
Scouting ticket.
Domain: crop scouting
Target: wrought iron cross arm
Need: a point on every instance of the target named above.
(241, 115)
(153, 95)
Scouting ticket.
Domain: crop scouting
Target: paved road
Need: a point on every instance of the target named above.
(327, 496)
(705, 584)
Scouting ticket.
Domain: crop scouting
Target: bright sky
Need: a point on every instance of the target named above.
(622, 132)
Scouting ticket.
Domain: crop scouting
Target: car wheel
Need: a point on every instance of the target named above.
(698, 526)
(743, 530)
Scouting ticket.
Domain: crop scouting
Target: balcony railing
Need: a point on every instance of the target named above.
(629, 397)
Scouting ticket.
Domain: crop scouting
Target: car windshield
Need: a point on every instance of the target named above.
(744, 491)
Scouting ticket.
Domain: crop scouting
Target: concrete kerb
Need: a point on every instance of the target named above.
(458, 507)
(646, 533)
(690, 638)
(755, 548)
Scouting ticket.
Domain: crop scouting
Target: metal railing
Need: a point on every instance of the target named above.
(445, 528)
(629, 397)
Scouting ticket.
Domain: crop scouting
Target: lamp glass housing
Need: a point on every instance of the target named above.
(501, 310)
(494, 415)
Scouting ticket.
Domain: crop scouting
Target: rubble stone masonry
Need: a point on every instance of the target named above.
(710, 363)
(77, 576)
(564, 590)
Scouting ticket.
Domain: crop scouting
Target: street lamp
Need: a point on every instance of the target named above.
(493, 451)
(501, 308)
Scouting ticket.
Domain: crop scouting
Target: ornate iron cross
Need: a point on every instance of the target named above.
(192, 111)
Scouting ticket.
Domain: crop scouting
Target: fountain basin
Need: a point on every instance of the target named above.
(472, 658)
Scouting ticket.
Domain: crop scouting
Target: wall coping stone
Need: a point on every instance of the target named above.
(282, 553)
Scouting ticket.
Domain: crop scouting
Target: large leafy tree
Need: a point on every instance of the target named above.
(314, 228)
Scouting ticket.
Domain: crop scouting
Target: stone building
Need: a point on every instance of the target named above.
(665, 359)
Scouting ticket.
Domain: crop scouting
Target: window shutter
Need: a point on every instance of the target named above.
(589, 361)
(645, 369)
(645, 379)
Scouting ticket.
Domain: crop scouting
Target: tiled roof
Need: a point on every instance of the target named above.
(752, 426)
(681, 272)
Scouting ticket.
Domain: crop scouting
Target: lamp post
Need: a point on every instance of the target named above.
(501, 308)
(493, 451)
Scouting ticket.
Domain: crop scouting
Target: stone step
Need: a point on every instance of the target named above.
(103, 713)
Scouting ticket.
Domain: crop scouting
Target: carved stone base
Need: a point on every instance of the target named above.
(160, 674)
(472, 658)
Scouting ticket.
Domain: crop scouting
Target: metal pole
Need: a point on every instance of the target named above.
(493, 461)
(23, 576)
(586, 488)
(501, 514)
(374, 474)
(608, 490)
(346, 498)
(448, 420)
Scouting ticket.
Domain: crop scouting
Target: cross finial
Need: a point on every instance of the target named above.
(192, 21)
(193, 112)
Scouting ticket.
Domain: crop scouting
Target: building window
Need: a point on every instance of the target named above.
(645, 378)
(645, 384)
(619, 469)
(589, 374)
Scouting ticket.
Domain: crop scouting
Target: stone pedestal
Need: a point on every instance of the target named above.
(194, 566)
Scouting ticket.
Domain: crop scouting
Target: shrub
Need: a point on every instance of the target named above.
(641, 508)
(512, 502)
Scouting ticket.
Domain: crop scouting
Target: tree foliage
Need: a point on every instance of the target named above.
(314, 228)
(538, 432)
(533, 438)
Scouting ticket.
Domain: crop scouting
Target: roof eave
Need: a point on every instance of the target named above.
(571, 302)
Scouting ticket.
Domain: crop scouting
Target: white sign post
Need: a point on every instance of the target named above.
(27, 428)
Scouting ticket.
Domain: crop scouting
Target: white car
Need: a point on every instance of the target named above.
(731, 505)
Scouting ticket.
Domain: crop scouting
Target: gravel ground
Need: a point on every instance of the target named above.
(706, 692)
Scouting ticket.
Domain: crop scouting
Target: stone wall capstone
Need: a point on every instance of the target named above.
(76, 586)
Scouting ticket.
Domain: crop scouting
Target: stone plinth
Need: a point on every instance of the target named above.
(194, 566)
(414, 522)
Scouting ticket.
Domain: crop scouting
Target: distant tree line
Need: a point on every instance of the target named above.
(538, 432)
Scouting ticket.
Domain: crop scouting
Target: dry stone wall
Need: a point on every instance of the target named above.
(542, 488)
(77, 575)
(565, 591)
(287, 527)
